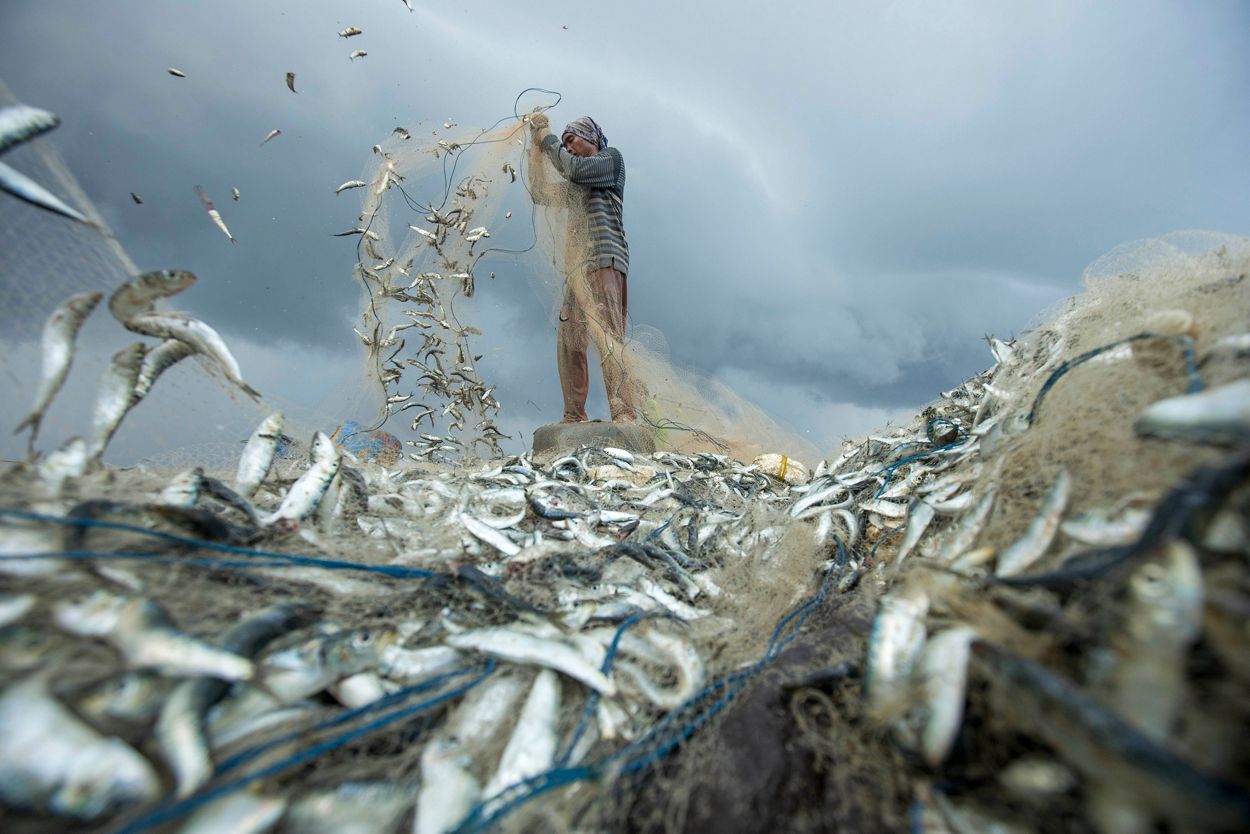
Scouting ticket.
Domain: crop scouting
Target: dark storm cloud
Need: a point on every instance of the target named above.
(828, 206)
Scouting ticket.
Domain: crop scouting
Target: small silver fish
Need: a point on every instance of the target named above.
(305, 494)
(143, 633)
(140, 293)
(258, 455)
(350, 184)
(360, 53)
(158, 360)
(532, 747)
(176, 73)
(24, 188)
(351, 808)
(290, 82)
(898, 636)
(57, 351)
(196, 333)
(552, 653)
(402, 133)
(448, 787)
(114, 397)
(1029, 548)
(213, 214)
(236, 813)
(51, 761)
(306, 669)
(234, 194)
(1219, 416)
(131, 696)
(271, 134)
(944, 679)
(138, 200)
(183, 490)
(919, 518)
(21, 123)
(351, 32)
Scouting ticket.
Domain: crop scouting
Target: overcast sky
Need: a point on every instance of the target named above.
(828, 204)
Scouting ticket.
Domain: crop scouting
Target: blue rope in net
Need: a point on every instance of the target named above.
(668, 733)
(277, 559)
(174, 810)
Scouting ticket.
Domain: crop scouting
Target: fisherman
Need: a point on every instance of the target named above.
(596, 296)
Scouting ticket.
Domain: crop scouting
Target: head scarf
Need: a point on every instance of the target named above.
(589, 130)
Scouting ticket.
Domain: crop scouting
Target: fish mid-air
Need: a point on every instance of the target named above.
(19, 124)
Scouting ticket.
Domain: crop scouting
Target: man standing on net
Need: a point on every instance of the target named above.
(596, 297)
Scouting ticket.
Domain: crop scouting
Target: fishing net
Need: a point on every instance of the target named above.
(449, 246)
(460, 228)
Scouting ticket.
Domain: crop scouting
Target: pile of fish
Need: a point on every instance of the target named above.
(343, 646)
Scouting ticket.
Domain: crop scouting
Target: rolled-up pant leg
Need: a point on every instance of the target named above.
(606, 294)
(571, 359)
(612, 293)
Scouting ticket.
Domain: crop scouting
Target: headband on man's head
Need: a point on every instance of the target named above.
(589, 130)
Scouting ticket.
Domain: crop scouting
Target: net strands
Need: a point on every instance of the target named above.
(422, 270)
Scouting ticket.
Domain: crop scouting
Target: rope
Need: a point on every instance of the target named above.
(172, 811)
(1195, 383)
(661, 740)
(284, 559)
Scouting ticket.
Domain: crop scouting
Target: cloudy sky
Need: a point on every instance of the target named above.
(828, 204)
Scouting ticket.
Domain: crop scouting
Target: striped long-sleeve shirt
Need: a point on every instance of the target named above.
(602, 176)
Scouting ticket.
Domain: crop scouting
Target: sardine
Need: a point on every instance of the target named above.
(213, 214)
(360, 53)
(1219, 416)
(146, 638)
(21, 123)
(131, 696)
(351, 31)
(410, 666)
(897, 638)
(158, 360)
(944, 679)
(966, 530)
(183, 490)
(57, 351)
(351, 808)
(448, 787)
(485, 710)
(176, 73)
(139, 294)
(350, 184)
(532, 746)
(1030, 547)
(236, 813)
(52, 762)
(518, 647)
(304, 496)
(180, 728)
(114, 397)
(307, 669)
(195, 333)
(234, 194)
(258, 455)
(24, 188)
(290, 82)
(918, 520)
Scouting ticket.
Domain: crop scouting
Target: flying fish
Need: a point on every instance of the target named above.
(213, 213)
